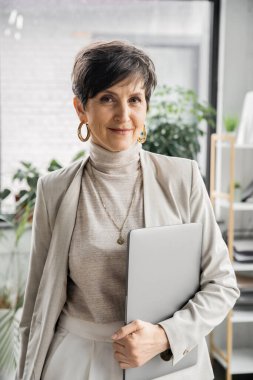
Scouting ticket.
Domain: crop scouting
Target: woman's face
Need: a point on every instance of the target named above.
(115, 116)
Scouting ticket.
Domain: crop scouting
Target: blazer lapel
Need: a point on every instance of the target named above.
(65, 220)
(159, 204)
(57, 260)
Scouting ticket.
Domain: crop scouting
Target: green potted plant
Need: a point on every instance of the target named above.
(230, 123)
(8, 308)
(237, 191)
(11, 299)
(175, 122)
(27, 174)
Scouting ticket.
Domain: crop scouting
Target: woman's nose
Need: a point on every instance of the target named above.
(122, 113)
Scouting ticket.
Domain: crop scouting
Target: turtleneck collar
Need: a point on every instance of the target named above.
(110, 162)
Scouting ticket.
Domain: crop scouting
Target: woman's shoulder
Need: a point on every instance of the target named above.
(169, 162)
(61, 178)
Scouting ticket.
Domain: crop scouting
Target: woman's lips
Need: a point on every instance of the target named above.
(121, 131)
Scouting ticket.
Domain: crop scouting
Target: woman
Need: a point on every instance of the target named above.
(74, 301)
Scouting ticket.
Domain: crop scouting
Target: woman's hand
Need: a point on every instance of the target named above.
(138, 342)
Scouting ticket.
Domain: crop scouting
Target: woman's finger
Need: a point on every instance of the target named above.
(120, 357)
(118, 344)
(124, 365)
(128, 329)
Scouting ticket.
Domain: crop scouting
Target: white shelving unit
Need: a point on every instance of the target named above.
(239, 267)
(231, 343)
(237, 146)
(237, 206)
(242, 206)
(241, 361)
(242, 316)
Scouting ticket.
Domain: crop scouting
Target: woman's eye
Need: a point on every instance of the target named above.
(135, 99)
(106, 99)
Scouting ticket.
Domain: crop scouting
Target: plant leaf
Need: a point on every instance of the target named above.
(4, 194)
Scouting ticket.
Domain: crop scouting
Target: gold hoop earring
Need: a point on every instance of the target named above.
(143, 137)
(79, 132)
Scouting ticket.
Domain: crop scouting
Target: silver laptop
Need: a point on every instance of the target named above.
(163, 274)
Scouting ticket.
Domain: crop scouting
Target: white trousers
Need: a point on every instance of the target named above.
(82, 350)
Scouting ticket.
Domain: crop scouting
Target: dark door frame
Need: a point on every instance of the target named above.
(213, 78)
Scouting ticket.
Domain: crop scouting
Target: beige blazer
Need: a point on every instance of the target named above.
(174, 193)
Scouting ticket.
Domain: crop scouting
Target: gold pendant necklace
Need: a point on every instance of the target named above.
(120, 239)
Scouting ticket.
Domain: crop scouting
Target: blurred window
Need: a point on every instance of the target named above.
(39, 41)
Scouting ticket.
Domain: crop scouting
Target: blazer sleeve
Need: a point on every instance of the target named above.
(218, 289)
(41, 237)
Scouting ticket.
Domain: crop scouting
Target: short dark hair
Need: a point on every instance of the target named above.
(101, 65)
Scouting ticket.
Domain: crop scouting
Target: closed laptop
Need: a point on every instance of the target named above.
(163, 275)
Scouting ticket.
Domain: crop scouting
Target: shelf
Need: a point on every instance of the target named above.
(237, 206)
(242, 316)
(241, 360)
(237, 146)
(239, 267)
(243, 146)
(219, 195)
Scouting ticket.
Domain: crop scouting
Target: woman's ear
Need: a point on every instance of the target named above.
(79, 109)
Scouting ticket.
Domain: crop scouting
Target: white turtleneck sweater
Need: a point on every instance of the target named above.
(97, 263)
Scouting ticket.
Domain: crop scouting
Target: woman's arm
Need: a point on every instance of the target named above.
(41, 237)
(218, 288)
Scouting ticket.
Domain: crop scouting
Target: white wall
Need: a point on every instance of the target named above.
(236, 70)
(235, 79)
